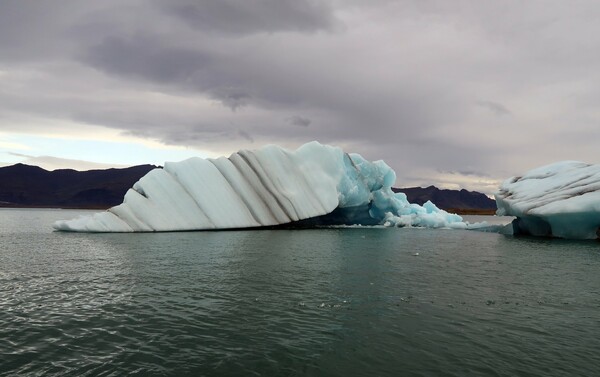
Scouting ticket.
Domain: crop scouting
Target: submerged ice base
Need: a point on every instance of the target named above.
(266, 187)
(557, 200)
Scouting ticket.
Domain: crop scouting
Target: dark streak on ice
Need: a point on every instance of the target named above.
(237, 161)
(140, 191)
(265, 183)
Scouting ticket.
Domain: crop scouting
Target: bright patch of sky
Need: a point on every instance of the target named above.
(47, 152)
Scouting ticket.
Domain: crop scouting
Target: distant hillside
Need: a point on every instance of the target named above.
(30, 186)
(462, 201)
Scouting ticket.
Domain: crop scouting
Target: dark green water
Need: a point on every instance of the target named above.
(329, 302)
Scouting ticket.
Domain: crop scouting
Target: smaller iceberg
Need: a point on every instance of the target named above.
(272, 186)
(556, 200)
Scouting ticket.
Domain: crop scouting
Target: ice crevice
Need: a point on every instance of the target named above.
(270, 194)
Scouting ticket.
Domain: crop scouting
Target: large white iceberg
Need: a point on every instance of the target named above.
(314, 185)
(557, 200)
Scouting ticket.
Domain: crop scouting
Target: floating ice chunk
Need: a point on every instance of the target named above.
(559, 200)
(314, 185)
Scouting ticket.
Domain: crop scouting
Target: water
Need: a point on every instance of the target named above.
(328, 302)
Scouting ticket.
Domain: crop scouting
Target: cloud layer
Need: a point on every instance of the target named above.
(450, 93)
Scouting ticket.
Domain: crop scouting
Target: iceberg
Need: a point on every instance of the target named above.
(272, 186)
(556, 200)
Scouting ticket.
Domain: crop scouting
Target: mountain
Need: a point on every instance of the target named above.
(460, 201)
(31, 186)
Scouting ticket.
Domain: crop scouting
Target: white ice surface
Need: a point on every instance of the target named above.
(264, 187)
(560, 200)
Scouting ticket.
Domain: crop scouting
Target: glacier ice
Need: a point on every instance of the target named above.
(556, 200)
(314, 185)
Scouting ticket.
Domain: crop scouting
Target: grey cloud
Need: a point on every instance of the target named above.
(26, 29)
(275, 81)
(231, 97)
(473, 173)
(495, 107)
(252, 16)
(140, 56)
(234, 83)
(246, 135)
(297, 120)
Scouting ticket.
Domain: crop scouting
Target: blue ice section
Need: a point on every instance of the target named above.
(272, 186)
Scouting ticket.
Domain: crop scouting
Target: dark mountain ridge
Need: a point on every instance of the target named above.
(450, 200)
(31, 186)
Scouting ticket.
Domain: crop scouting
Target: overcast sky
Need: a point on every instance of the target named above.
(451, 93)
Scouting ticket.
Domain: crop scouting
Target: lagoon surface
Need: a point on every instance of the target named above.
(322, 302)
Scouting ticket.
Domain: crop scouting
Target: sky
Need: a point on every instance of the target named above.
(459, 94)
